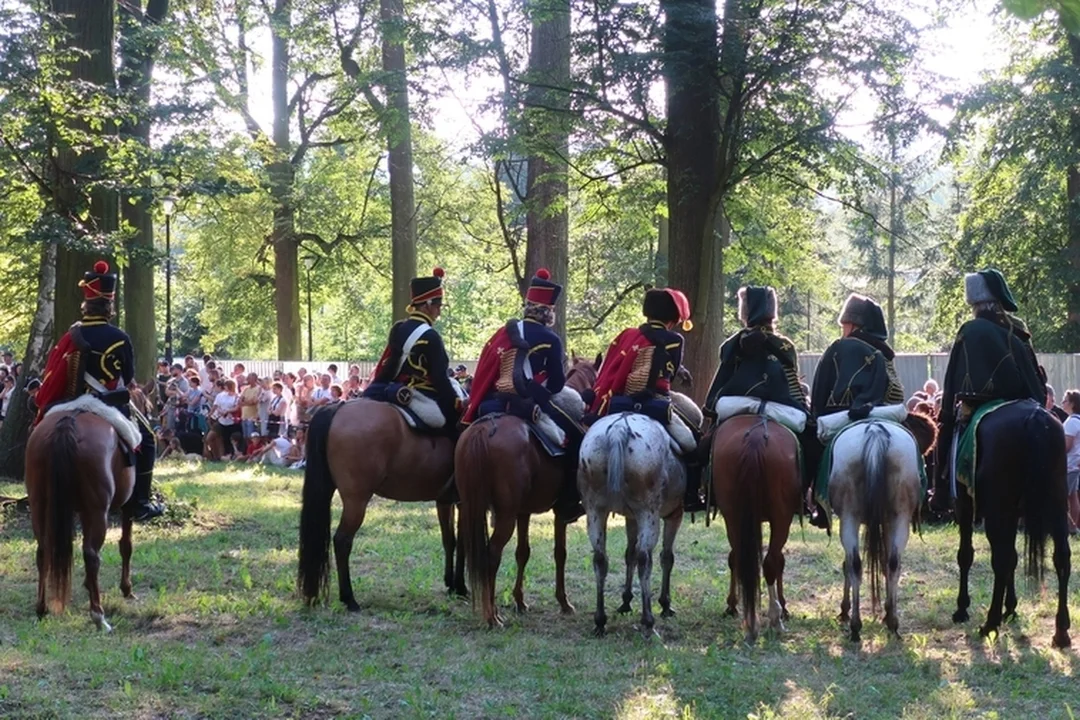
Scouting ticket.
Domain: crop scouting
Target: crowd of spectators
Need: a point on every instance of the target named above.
(10, 371)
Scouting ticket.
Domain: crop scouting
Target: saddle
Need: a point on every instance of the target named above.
(964, 458)
(791, 418)
(552, 437)
(420, 412)
(126, 429)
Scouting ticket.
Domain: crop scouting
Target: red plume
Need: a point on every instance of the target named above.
(543, 274)
(101, 267)
(438, 272)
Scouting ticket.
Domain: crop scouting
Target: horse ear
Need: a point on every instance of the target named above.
(573, 357)
(599, 360)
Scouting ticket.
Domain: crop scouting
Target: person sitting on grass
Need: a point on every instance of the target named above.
(173, 450)
(273, 453)
(254, 445)
(236, 447)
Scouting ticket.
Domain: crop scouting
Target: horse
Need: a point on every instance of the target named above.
(359, 449)
(756, 479)
(875, 481)
(77, 464)
(499, 466)
(628, 467)
(1020, 472)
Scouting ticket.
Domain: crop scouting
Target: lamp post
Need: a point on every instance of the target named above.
(309, 261)
(168, 204)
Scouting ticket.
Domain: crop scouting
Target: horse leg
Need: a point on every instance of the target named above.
(597, 524)
(93, 539)
(631, 562)
(773, 568)
(667, 561)
(42, 608)
(352, 517)
(560, 568)
(1002, 536)
(460, 588)
(845, 604)
(126, 517)
(648, 530)
(965, 556)
(504, 528)
(733, 597)
(899, 541)
(849, 537)
(1061, 569)
(521, 555)
(446, 529)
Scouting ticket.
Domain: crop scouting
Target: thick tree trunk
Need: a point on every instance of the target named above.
(16, 427)
(137, 56)
(693, 186)
(1072, 323)
(397, 126)
(90, 28)
(547, 219)
(282, 178)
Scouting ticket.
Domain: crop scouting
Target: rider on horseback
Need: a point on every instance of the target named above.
(991, 359)
(413, 369)
(636, 377)
(520, 371)
(94, 357)
(757, 362)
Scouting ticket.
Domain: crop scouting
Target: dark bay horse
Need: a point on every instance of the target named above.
(76, 464)
(756, 479)
(500, 467)
(360, 449)
(1020, 472)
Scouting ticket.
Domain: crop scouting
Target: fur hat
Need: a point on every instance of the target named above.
(988, 286)
(667, 305)
(866, 314)
(757, 305)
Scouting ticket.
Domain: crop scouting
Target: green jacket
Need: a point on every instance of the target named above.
(756, 362)
(854, 372)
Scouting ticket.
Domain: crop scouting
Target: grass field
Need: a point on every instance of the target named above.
(218, 632)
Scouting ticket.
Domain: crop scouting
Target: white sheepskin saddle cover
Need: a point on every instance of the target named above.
(428, 410)
(791, 418)
(828, 426)
(569, 401)
(682, 437)
(125, 428)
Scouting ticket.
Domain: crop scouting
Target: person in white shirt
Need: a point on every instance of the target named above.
(265, 395)
(332, 372)
(278, 412)
(226, 414)
(321, 395)
(274, 453)
(1071, 405)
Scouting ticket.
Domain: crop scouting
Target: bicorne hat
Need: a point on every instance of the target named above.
(427, 289)
(99, 283)
(867, 315)
(667, 305)
(757, 305)
(988, 286)
(542, 290)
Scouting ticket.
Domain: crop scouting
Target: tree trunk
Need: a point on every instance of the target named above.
(1072, 326)
(90, 28)
(282, 178)
(547, 221)
(894, 228)
(16, 427)
(693, 187)
(663, 245)
(397, 126)
(136, 72)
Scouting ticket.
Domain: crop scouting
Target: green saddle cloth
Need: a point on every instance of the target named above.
(821, 486)
(966, 450)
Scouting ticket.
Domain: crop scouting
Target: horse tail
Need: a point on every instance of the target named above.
(475, 493)
(1045, 457)
(618, 436)
(875, 503)
(313, 572)
(749, 481)
(60, 509)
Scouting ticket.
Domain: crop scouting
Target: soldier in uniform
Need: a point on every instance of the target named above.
(97, 358)
(760, 363)
(521, 367)
(415, 358)
(857, 373)
(636, 376)
(992, 359)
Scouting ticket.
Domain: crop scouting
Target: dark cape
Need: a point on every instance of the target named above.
(756, 362)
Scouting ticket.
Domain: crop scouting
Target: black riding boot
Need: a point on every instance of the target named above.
(568, 506)
(812, 451)
(692, 501)
(143, 508)
(941, 495)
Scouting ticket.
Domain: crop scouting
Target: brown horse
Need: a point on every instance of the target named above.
(360, 449)
(499, 466)
(755, 475)
(75, 463)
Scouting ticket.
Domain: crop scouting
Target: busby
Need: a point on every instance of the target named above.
(99, 283)
(757, 305)
(667, 305)
(988, 286)
(427, 289)
(542, 290)
(867, 315)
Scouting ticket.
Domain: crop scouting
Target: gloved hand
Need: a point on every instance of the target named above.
(860, 413)
(588, 395)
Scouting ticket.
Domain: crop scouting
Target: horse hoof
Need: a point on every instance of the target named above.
(624, 608)
(843, 617)
(667, 613)
(567, 609)
(599, 631)
(785, 615)
(130, 596)
(521, 608)
(352, 606)
(1061, 640)
(1008, 617)
(732, 612)
(960, 616)
(102, 624)
(986, 631)
(460, 592)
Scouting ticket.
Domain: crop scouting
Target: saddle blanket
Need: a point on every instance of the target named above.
(965, 450)
(791, 418)
(829, 426)
(821, 483)
(127, 429)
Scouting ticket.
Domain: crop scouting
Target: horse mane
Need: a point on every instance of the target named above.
(925, 430)
(581, 375)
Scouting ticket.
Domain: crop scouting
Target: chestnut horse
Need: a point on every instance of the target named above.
(76, 464)
(360, 449)
(501, 467)
(756, 479)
